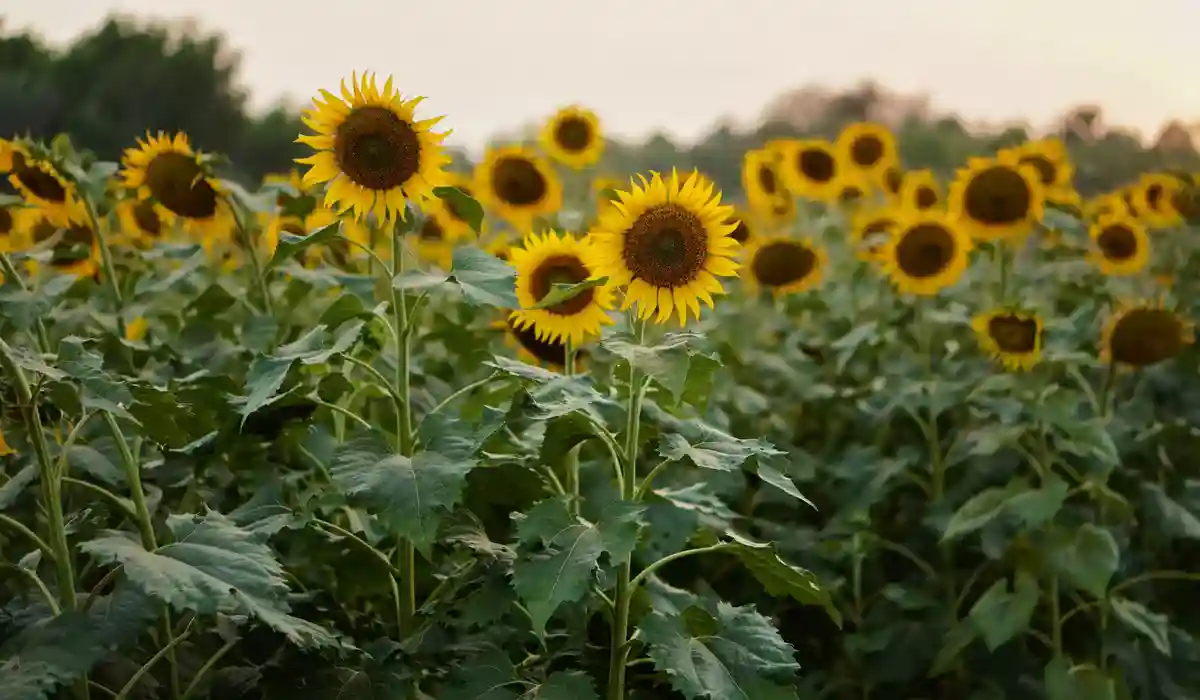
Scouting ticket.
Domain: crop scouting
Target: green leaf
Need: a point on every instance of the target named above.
(1039, 506)
(720, 652)
(620, 526)
(1084, 682)
(30, 362)
(667, 362)
(1151, 625)
(1174, 519)
(147, 286)
(954, 642)
(724, 455)
(53, 651)
(522, 370)
(564, 685)
(484, 279)
(1000, 614)
(465, 206)
(565, 292)
(1086, 557)
(291, 245)
(213, 566)
(418, 280)
(781, 579)
(410, 495)
(487, 677)
(564, 570)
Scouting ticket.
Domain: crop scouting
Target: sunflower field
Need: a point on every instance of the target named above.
(382, 429)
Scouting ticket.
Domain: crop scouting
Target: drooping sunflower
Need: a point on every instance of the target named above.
(1120, 245)
(1054, 169)
(1143, 334)
(760, 178)
(552, 259)
(928, 252)
(869, 232)
(1152, 198)
(165, 169)
(573, 137)
(783, 265)
(867, 148)
(40, 184)
(76, 252)
(1010, 336)
(811, 169)
(141, 222)
(518, 185)
(667, 242)
(920, 190)
(372, 152)
(997, 197)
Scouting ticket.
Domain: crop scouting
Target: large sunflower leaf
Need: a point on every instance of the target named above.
(291, 245)
(465, 206)
(213, 566)
(484, 279)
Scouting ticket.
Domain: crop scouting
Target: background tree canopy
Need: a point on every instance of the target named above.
(113, 84)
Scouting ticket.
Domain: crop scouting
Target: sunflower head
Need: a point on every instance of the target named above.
(1105, 204)
(549, 260)
(141, 220)
(165, 169)
(10, 219)
(811, 169)
(1140, 335)
(997, 197)
(743, 229)
(867, 148)
(433, 241)
(573, 137)
(551, 354)
(74, 251)
(667, 242)
(1185, 201)
(1153, 198)
(372, 151)
(1054, 170)
(38, 180)
(927, 252)
(760, 177)
(921, 190)
(518, 185)
(1012, 337)
(869, 232)
(892, 181)
(784, 265)
(1120, 245)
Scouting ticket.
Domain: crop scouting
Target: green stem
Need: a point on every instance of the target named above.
(208, 665)
(648, 481)
(462, 392)
(51, 480)
(141, 672)
(38, 583)
(256, 267)
(571, 461)
(645, 573)
(29, 534)
(620, 630)
(1055, 617)
(106, 262)
(404, 436)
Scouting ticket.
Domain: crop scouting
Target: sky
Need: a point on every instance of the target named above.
(682, 65)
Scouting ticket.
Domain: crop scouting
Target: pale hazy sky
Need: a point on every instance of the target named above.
(682, 64)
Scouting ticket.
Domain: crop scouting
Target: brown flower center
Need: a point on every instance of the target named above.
(866, 150)
(376, 149)
(925, 197)
(1013, 334)
(666, 246)
(783, 262)
(573, 134)
(551, 353)
(431, 231)
(816, 164)
(893, 180)
(1117, 242)
(561, 269)
(997, 196)
(517, 181)
(1144, 337)
(925, 250)
(1046, 169)
(6, 221)
(40, 183)
(177, 182)
(766, 179)
(1154, 193)
(741, 232)
(146, 218)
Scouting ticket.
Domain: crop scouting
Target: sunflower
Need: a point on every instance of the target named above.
(535, 351)
(927, 253)
(920, 190)
(1144, 334)
(743, 228)
(518, 185)
(337, 251)
(452, 220)
(784, 265)
(811, 169)
(141, 222)
(997, 197)
(1185, 201)
(1012, 337)
(870, 230)
(10, 218)
(499, 247)
(167, 170)
(1152, 197)
(760, 177)
(433, 241)
(573, 137)
(372, 151)
(1120, 245)
(1053, 165)
(41, 185)
(667, 240)
(867, 148)
(551, 259)
(778, 211)
(892, 182)
(1106, 204)
(76, 252)
(853, 188)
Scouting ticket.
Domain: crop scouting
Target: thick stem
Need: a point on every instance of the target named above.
(571, 461)
(404, 436)
(624, 593)
(106, 263)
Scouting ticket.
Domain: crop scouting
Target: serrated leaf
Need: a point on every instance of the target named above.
(522, 369)
(1001, 614)
(1086, 557)
(560, 574)
(565, 292)
(410, 495)
(417, 280)
(1174, 519)
(1083, 682)
(149, 285)
(782, 579)
(490, 676)
(979, 510)
(564, 685)
(720, 455)
(667, 362)
(620, 525)
(736, 655)
(1151, 625)
(291, 245)
(485, 280)
(213, 566)
(466, 207)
